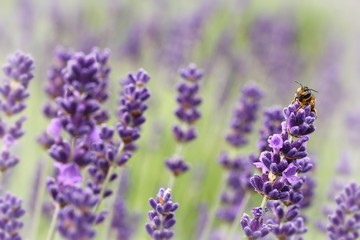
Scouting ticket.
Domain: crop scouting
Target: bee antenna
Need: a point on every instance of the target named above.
(313, 90)
(299, 83)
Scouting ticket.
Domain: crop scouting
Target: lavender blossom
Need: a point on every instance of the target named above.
(161, 218)
(55, 83)
(187, 113)
(345, 220)
(237, 184)
(239, 168)
(79, 106)
(286, 223)
(343, 171)
(76, 220)
(79, 114)
(282, 167)
(255, 228)
(109, 152)
(11, 211)
(132, 108)
(244, 116)
(300, 121)
(14, 91)
(68, 176)
(176, 165)
(76, 217)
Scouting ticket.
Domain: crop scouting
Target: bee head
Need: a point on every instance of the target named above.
(303, 90)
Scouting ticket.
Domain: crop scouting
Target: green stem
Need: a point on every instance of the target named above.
(52, 229)
(235, 223)
(178, 150)
(171, 181)
(263, 204)
(104, 186)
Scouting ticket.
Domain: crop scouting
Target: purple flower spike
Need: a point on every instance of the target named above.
(345, 220)
(184, 136)
(244, 116)
(238, 175)
(161, 218)
(276, 142)
(187, 98)
(191, 73)
(272, 190)
(255, 228)
(188, 113)
(20, 68)
(286, 223)
(280, 183)
(132, 107)
(76, 220)
(300, 121)
(69, 174)
(14, 91)
(11, 211)
(177, 165)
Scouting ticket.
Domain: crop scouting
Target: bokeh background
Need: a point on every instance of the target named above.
(235, 42)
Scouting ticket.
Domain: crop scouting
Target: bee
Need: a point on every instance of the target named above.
(305, 97)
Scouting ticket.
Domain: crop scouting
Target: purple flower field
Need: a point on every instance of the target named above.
(205, 120)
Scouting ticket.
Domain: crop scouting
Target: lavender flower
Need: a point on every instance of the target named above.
(54, 87)
(255, 228)
(13, 90)
(345, 221)
(76, 220)
(11, 211)
(286, 223)
(300, 121)
(281, 168)
(244, 116)
(161, 218)
(188, 113)
(80, 109)
(237, 184)
(76, 217)
(176, 165)
(67, 177)
(238, 167)
(132, 108)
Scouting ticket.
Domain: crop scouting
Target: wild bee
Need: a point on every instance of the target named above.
(305, 97)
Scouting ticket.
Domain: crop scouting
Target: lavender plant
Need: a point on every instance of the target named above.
(90, 146)
(281, 181)
(344, 221)
(234, 196)
(187, 113)
(14, 92)
(162, 217)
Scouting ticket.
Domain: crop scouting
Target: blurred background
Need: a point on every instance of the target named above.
(235, 42)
